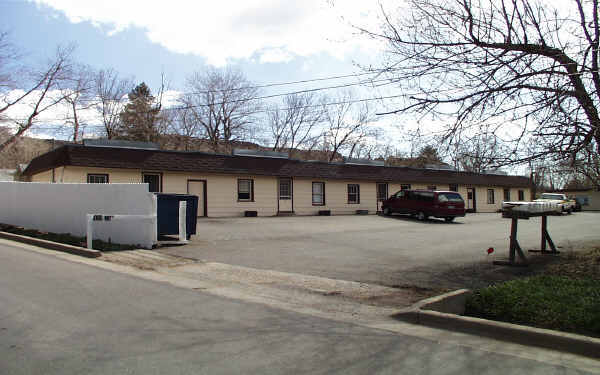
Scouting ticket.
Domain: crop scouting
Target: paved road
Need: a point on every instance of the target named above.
(59, 317)
(374, 249)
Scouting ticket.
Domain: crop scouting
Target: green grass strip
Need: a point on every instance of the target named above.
(544, 301)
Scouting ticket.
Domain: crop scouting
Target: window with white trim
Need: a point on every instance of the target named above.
(506, 195)
(245, 190)
(318, 193)
(353, 193)
(490, 196)
(95, 178)
(285, 189)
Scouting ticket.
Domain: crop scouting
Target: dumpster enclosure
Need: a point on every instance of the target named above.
(168, 213)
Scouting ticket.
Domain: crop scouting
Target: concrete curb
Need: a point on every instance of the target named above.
(51, 245)
(444, 312)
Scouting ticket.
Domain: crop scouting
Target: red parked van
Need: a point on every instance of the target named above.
(425, 203)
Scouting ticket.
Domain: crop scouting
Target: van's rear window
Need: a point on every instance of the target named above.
(449, 197)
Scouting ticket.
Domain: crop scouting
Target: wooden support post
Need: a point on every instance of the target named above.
(513, 239)
(544, 226)
(515, 248)
(546, 239)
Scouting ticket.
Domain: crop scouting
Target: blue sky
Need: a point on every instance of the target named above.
(278, 46)
(270, 41)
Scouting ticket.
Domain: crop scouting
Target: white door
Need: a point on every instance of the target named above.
(198, 188)
(285, 195)
(471, 200)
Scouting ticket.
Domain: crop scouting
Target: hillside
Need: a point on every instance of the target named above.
(27, 148)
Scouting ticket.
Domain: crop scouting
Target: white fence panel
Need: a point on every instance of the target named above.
(62, 208)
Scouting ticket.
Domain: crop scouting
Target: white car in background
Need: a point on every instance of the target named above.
(564, 204)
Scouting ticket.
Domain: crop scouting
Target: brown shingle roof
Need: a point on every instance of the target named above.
(108, 157)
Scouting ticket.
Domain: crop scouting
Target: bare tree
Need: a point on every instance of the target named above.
(9, 68)
(296, 124)
(110, 91)
(518, 64)
(42, 93)
(79, 96)
(586, 168)
(184, 126)
(347, 125)
(479, 153)
(224, 103)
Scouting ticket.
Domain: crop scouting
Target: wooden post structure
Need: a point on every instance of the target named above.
(546, 239)
(514, 247)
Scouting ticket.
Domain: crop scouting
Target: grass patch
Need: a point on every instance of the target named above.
(556, 302)
(65, 238)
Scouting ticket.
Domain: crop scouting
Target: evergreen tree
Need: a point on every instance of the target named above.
(141, 117)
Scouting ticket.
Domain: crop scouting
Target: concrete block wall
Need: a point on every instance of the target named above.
(62, 208)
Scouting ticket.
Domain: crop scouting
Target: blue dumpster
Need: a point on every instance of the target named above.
(168, 213)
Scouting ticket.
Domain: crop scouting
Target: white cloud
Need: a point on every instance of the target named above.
(273, 30)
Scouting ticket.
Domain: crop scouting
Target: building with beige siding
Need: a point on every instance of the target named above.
(589, 198)
(270, 184)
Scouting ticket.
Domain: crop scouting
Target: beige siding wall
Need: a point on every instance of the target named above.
(221, 191)
(116, 176)
(593, 197)
(481, 196)
(336, 197)
(42, 177)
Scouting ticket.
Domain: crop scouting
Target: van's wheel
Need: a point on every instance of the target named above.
(386, 211)
(449, 219)
(569, 211)
(421, 216)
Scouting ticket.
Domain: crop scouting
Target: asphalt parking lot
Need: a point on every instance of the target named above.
(391, 251)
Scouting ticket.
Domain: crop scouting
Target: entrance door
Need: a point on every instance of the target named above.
(286, 201)
(198, 188)
(153, 180)
(471, 205)
(382, 194)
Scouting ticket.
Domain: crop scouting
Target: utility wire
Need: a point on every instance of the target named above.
(251, 112)
(276, 84)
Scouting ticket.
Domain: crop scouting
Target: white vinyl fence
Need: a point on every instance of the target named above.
(63, 208)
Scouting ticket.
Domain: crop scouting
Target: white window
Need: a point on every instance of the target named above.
(353, 193)
(97, 178)
(285, 189)
(246, 190)
(318, 193)
(490, 196)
